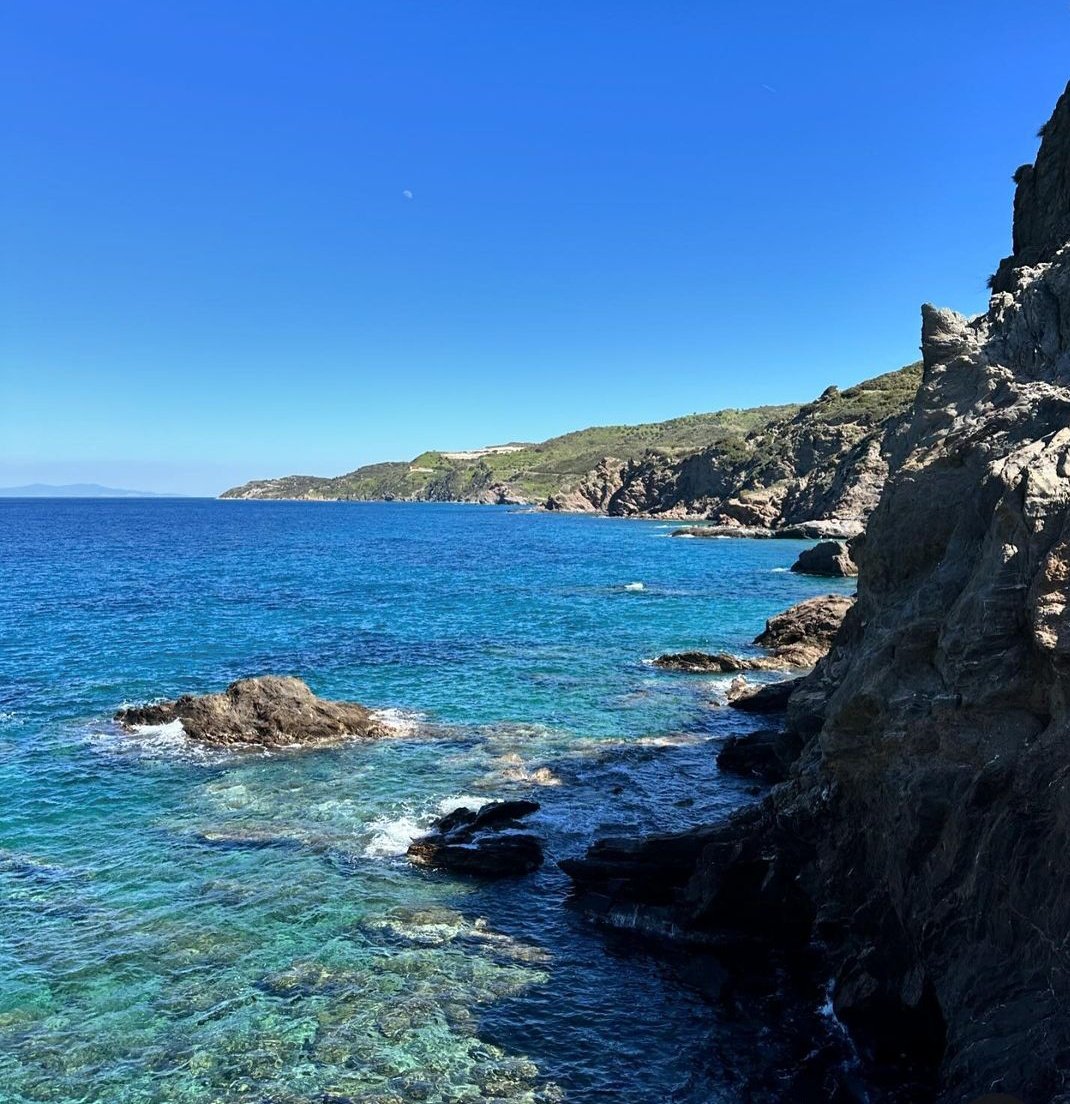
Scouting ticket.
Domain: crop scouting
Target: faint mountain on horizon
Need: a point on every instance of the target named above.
(76, 490)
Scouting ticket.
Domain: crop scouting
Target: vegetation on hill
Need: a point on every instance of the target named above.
(696, 463)
(532, 473)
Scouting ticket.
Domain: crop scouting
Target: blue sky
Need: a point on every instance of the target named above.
(250, 239)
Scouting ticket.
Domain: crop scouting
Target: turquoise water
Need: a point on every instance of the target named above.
(199, 926)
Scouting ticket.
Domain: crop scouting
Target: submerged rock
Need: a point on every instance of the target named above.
(831, 558)
(489, 842)
(269, 711)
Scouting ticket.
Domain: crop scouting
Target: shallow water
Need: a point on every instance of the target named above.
(195, 926)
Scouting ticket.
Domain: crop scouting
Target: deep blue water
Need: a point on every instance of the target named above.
(192, 926)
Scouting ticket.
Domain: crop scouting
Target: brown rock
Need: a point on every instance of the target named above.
(270, 711)
(798, 637)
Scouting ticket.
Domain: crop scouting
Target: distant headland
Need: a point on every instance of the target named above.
(76, 490)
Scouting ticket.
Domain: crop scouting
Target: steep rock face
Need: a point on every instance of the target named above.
(924, 833)
(594, 492)
(828, 461)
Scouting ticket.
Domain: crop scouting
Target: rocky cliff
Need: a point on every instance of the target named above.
(922, 839)
(766, 467)
(521, 472)
(826, 461)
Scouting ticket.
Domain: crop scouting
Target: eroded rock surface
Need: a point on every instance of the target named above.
(831, 559)
(269, 711)
(821, 467)
(923, 834)
(798, 637)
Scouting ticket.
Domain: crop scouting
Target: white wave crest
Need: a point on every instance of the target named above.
(635, 586)
(400, 722)
(163, 741)
(391, 836)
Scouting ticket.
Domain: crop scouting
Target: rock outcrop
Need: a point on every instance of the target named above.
(826, 462)
(489, 842)
(798, 637)
(764, 697)
(767, 754)
(923, 834)
(832, 559)
(269, 711)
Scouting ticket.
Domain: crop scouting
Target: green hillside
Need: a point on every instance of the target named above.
(531, 471)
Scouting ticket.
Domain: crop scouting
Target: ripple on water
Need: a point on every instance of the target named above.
(187, 925)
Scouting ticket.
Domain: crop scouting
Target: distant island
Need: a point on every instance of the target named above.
(75, 490)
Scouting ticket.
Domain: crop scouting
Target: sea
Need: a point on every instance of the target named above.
(194, 926)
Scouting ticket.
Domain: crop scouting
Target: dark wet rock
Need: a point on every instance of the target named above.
(269, 711)
(829, 558)
(768, 697)
(766, 754)
(489, 842)
(922, 835)
(649, 871)
(704, 663)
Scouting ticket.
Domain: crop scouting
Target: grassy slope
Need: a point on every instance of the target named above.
(537, 470)
(755, 437)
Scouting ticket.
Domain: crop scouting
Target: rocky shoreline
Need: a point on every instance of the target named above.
(919, 841)
(760, 472)
(913, 849)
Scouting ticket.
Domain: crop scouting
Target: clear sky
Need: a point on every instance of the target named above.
(249, 239)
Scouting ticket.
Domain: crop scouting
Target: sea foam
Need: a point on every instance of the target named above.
(391, 836)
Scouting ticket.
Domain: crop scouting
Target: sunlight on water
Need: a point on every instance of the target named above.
(180, 924)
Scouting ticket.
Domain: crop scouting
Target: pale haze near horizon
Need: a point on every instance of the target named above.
(342, 234)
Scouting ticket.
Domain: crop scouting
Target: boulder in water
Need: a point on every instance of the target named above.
(798, 637)
(489, 842)
(831, 558)
(703, 663)
(268, 711)
(771, 697)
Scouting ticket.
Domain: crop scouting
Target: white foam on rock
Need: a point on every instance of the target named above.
(401, 723)
(391, 836)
